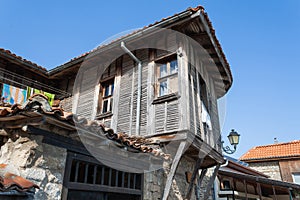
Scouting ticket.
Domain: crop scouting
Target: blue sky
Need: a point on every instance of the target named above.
(260, 40)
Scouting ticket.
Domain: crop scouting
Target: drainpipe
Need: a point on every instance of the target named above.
(138, 106)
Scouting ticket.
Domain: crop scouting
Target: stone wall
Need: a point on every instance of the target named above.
(154, 182)
(271, 169)
(40, 163)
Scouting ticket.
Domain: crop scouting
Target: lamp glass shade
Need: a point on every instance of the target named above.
(233, 137)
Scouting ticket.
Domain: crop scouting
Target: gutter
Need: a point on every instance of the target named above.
(138, 106)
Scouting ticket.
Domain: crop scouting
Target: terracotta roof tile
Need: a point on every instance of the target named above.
(273, 151)
(34, 65)
(10, 181)
(193, 10)
(38, 103)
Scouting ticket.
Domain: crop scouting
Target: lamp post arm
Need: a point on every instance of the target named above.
(227, 149)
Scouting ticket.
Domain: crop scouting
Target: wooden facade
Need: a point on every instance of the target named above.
(183, 74)
(198, 83)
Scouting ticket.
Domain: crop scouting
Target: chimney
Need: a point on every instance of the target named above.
(275, 141)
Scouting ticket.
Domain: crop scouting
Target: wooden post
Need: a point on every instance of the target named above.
(200, 179)
(246, 190)
(259, 190)
(274, 192)
(211, 180)
(173, 170)
(195, 172)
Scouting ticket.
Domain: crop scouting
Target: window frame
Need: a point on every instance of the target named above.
(297, 174)
(79, 178)
(166, 78)
(106, 98)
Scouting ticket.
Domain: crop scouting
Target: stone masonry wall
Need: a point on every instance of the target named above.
(40, 163)
(271, 169)
(154, 182)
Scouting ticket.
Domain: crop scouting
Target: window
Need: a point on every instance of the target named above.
(106, 96)
(87, 178)
(296, 178)
(167, 76)
(105, 100)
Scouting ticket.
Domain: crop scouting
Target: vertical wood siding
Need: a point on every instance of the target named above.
(124, 111)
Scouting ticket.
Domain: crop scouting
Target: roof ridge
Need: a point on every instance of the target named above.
(272, 151)
(278, 144)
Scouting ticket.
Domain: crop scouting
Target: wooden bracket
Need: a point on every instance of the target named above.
(211, 181)
(173, 170)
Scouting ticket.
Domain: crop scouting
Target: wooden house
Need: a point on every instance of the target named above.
(159, 85)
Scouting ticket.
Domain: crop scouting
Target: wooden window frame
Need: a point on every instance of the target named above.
(166, 61)
(107, 83)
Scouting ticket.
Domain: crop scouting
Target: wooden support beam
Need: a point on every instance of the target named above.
(246, 190)
(173, 169)
(259, 190)
(211, 181)
(274, 192)
(200, 179)
(195, 172)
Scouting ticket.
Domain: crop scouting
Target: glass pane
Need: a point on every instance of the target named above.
(111, 104)
(163, 88)
(296, 178)
(173, 84)
(112, 88)
(106, 91)
(163, 70)
(105, 104)
(174, 66)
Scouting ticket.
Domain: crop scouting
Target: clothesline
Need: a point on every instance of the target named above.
(29, 82)
(15, 95)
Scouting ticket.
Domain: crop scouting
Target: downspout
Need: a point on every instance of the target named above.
(138, 106)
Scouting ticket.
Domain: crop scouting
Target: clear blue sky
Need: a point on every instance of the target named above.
(260, 39)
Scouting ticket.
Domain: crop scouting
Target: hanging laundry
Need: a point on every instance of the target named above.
(13, 95)
(32, 91)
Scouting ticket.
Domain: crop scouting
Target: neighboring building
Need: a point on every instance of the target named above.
(236, 181)
(170, 97)
(280, 161)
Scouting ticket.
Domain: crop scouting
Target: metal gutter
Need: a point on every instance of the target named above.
(138, 103)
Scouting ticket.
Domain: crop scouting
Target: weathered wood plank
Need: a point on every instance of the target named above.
(211, 181)
(195, 172)
(173, 170)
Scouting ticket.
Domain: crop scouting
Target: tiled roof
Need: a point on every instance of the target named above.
(9, 181)
(191, 10)
(273, 152)
(38, 104)
(58, 68)
(19, 58)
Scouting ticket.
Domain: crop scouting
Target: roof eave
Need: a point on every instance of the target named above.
(31, 67)
(161, 24)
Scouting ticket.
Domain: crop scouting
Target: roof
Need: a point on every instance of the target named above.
(163, 23)
(10, 181)
(273, 152)
(258, 179)
(237, 171)
(233, 166)
(188, 12)
(10, 55)
(37, 109)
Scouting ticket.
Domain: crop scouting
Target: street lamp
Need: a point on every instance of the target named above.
(233, 138)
